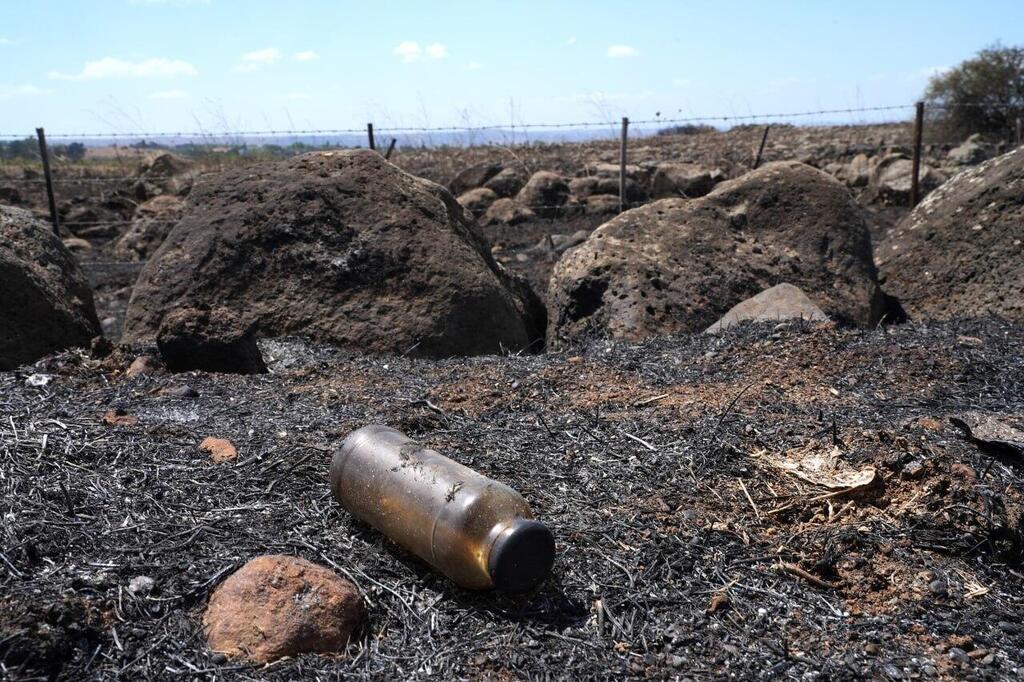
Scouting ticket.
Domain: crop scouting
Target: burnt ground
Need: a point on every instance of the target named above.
(683, 551)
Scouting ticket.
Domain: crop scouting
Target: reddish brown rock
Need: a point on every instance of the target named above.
(277, 606)
(221, 449)
(119, 417)
(144, 364)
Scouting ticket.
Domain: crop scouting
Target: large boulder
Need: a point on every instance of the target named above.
(151, 224)
(508, 182)
(473, 177)
(506, 212)
(342, 247)
(970, 152)
(686, 180)
(478, 200)
(960, 252)
(892, 177)
(208, 340)
(677, 265)
(164, 173)
(46, 300)
(544, 194)
(276, 606)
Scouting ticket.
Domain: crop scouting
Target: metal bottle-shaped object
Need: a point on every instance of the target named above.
(477, 531)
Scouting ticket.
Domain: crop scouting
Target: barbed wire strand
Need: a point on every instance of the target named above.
(509, 127)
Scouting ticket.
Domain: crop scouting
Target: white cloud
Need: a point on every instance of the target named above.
(6, 41)
(305, 56)
(474, 66)
(251, 61)
(13, 91)
(411, 51)
(571, 40)
(620, 51)
(111, 67)
(296, 96)
(681, 82)
(169, 94)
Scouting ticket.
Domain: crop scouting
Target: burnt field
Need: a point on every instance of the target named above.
(691, 540)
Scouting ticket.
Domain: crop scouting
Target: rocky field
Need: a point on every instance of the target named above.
(773, 417)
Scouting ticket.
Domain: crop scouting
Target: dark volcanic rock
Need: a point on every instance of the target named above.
(151, 224)
(342, 247)
(46, 301)
(165, 173)
(686, 180)
(677, 265)
(960, 253)
(508, 182)
(544, 194)
(209, 340)
(473, 177)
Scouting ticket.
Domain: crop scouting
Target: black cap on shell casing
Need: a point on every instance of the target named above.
(521, 556)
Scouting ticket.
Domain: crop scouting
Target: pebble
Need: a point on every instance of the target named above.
(141, 585)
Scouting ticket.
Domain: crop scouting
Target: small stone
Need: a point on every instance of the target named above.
(178, 391)
(141, 585)
(144, 364)
(220, 449)
(118, 417)
(938, 587)
(38, 380)
(718, 600)
(277, 606)
(100, 347)
(913, 470)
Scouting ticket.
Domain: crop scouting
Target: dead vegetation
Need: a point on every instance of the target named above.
(685, 547)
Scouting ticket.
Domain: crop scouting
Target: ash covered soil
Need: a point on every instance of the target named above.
(684, 550)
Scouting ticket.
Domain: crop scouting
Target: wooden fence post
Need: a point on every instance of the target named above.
(369, 134)
(44, 154)
(391, 148)
(915, 189)
(760, 150)
(622, 165)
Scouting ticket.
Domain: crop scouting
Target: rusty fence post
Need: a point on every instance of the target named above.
(45, 156)
(915, 186)
(760, 150)
(622, 165)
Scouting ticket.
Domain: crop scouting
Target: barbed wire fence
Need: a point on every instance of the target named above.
(128, 157)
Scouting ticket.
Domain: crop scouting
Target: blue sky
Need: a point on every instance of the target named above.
(215, 65)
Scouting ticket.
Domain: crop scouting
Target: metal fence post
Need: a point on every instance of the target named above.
(369, 134)
(622, 165)
(391, 148)
(760, 150)
(915, 188)
(54, 218)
